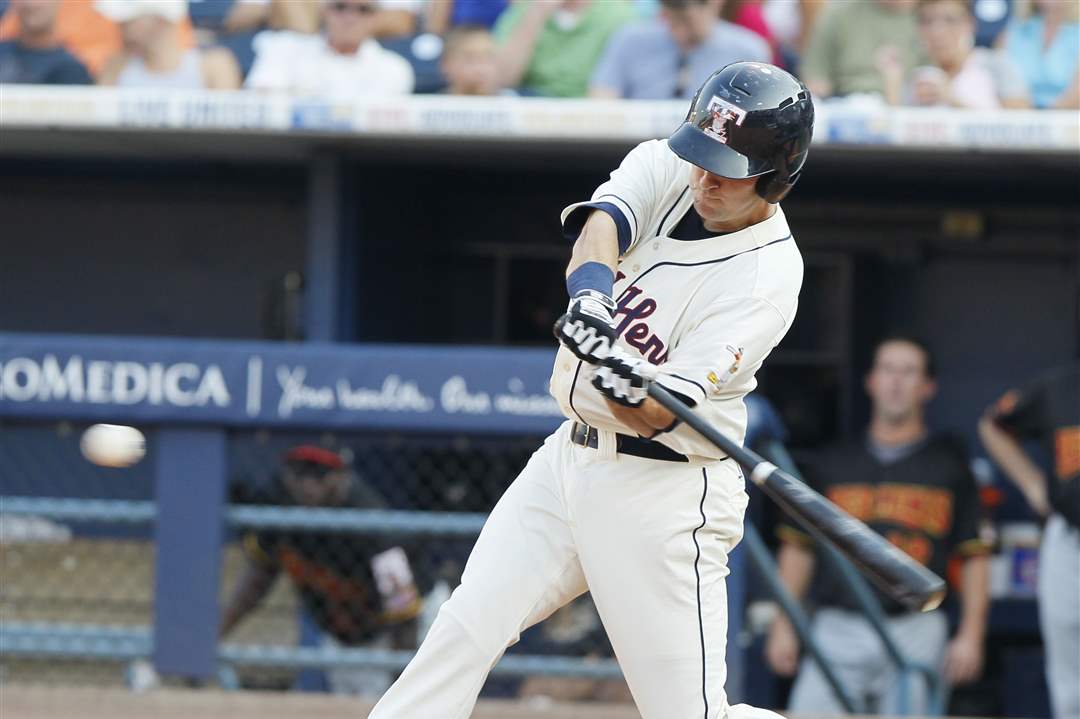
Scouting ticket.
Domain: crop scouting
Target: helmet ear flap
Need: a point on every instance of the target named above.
(773, 188)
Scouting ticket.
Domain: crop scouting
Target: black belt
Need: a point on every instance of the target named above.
(585, 436)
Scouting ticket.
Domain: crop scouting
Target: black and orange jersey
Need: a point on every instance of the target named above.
(335, 573)
(926, 502)
(1048, 410)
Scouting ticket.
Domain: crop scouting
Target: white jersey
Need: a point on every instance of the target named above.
(708, 311)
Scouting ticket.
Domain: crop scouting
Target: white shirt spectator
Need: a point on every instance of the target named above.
(306, 65)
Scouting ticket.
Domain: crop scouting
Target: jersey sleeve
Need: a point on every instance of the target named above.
(259, 549)
(967, 511)
(271, 69)
(1021, 412)
(630, 196)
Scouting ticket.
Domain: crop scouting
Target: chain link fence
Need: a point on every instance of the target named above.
(350, 542)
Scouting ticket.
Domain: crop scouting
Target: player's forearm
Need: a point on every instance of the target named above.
(1006, 451)
(975, 584)
(254, 586)
(598, 242)
(517, 50)
(795, 567)
(644, 421)
(394, 23)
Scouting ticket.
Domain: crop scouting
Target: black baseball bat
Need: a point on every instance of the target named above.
(897, 574)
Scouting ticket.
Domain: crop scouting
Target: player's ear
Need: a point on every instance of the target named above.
(929, 389)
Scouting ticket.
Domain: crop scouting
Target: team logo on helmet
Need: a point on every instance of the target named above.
(721, 112)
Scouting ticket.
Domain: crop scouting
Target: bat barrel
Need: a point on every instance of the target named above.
(897, 574)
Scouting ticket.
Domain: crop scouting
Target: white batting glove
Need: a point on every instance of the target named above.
(588, 327)
(623, 378)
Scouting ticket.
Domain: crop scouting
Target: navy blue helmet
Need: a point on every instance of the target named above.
(749, 119)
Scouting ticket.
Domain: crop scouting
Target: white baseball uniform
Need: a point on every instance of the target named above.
(648, 536)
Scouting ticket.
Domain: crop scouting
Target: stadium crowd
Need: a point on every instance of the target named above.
(981, 54)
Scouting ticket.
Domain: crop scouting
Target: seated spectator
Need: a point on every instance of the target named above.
(153, 54)
(343, 63)
(791, 23)
(79, 29)
(469, 61)
(840, 58)
(551, 48)
(684, 46)
(442, 16)
(1046, 48)
(750, 14)
(34, 56)
(959, 74)
(251, 15)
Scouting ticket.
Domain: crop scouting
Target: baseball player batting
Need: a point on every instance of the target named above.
(684, 274)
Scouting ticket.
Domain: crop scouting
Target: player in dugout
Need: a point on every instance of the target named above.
(358, 590)
(1047, 410)
(915, 488)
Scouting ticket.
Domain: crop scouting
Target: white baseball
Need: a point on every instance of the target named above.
(113, 445)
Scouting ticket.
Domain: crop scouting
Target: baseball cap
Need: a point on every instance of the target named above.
(314, 455)
(125, 10)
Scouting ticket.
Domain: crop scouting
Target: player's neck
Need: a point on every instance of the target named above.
(758, 214)
(892, 433)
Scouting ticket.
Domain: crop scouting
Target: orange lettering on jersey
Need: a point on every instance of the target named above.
(1067, 452)
(915, 546)
(925, 508)
(855, 499)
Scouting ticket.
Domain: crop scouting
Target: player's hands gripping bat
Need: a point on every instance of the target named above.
(588, 327)
(624, 379)
(897, 574)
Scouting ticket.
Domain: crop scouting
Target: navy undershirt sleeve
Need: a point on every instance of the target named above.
(576, 220)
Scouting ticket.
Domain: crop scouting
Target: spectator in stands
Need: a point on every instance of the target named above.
(393, 17)
(959, 74)
(357, 589)
(79, 29)
(750, 14)
(154, 55)
(917, 490)
(551, 48)
(840, 58)
(684, 46)
(442, 16)
(34, 56)
(470, 61)
(1047, 410)
(1046, 48)
(343, 63)
(790, 23)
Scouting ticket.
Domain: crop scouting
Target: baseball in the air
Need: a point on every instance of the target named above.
(113, 445)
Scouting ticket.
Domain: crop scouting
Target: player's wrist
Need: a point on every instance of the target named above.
(594, 278)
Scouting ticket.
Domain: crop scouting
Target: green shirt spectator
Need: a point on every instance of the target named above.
(848, 41)
(551, 48)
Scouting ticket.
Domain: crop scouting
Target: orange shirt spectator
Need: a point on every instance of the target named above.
(86, 33)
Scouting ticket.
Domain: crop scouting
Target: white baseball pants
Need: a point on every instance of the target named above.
(648, 538)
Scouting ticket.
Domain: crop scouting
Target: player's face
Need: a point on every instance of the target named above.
(472, 67)
(724, 202)
(898, 385)
(35, 16)
(947, 30)
(348, 22)
(690, 25)
(313, 486)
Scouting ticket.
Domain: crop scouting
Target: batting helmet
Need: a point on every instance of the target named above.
(749, 119)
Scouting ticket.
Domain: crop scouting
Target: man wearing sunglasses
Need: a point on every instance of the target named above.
(342, 63)
(358, 589)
